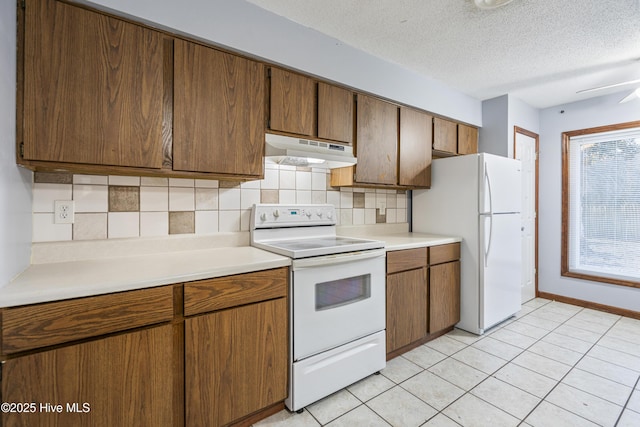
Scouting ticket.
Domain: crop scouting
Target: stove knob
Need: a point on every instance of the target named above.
(263, 217)
(319, 213)
(276, 213)
(329, 215)
(308, 214)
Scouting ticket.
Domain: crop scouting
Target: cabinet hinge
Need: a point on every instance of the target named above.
(23, 4)
(22, 150)
(269, 72)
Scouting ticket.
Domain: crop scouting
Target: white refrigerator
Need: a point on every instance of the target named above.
(477, 197)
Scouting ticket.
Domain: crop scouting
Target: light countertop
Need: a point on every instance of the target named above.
(396, 236)
(52, 281)
(65, 270)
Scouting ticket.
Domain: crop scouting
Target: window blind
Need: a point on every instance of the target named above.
(604, 204)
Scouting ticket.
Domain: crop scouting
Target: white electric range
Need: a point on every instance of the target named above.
(336, 294)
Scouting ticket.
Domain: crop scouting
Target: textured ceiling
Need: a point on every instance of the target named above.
(541, 51)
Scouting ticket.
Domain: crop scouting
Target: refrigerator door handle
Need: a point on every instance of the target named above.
(488, 187)
(488, 245)
(488, 214)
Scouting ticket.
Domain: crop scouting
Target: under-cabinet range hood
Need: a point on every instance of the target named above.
(285, 150)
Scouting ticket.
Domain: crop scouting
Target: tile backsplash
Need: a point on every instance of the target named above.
(121, 206)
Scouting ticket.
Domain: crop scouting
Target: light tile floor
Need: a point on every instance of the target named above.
(554, 364)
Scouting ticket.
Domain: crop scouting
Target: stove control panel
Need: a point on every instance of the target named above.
(276, 215)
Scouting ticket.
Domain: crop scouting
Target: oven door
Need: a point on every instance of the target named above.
(336, 299)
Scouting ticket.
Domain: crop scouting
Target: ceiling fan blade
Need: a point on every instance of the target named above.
(629, 97)
(628, 82)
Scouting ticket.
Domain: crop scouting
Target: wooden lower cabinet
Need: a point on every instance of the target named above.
(407, 297)
(444, 295)
(204, 353)
(407, 321)
(122, 380)
(235, 362)
(423, 295)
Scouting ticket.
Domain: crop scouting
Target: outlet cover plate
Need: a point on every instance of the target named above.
(64, 212)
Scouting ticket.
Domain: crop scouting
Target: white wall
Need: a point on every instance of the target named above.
(521, 115)
(493, 136)
(499, 116)
(244, 27)
(15, 183)
(580, 115)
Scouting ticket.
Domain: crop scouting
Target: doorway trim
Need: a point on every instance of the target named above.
(519, 130)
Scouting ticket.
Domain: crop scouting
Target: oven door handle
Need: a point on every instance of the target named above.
(337, 259)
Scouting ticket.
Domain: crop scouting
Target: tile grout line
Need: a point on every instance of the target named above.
(467, 345)
(469, 391)
(626, 404)
(572, 367)
(510, 361)
(465, 391)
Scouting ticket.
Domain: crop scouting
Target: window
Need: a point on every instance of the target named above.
(601, 204)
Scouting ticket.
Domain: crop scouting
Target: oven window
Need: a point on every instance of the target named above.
(342, 292)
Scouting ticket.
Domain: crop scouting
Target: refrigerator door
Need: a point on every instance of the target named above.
(500, 268)
(500, 186)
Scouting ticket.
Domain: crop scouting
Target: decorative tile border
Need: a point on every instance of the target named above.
(124, 206)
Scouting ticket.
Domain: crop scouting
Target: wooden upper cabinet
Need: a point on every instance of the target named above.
(93, 88)
(302, 106)
(292, 103)
(335, 113)
(445, 135)
(467, 139)
(415, 148)
(454, 138)
(218, 111)
(377, 141)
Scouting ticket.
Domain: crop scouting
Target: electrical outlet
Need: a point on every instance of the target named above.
(64, 212)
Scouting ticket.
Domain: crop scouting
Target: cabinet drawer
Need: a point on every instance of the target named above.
(407, 259)
(40, 325)
(444, 253)
(230, 291)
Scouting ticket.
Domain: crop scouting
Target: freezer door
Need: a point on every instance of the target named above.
(500, 268)
(500, 184)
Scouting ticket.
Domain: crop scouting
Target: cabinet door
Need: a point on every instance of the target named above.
(123, 380)
(218, 111)
(335, 113)
(293, 103)
(467, 139)
(406, 308)
(235, 362)
(445, 135)
(415, 148)
(444, 296)
(377, 141)
(93, 88)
